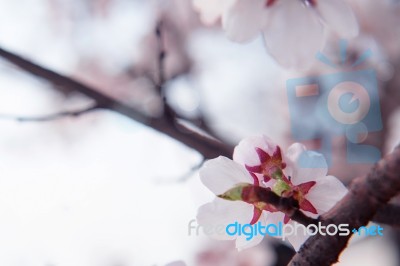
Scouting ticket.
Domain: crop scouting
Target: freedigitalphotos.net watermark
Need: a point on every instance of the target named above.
(281, 230)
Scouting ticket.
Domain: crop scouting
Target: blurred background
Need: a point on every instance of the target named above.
(101, 189)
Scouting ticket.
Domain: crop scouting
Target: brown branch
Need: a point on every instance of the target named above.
(209, 148)
(51, 117)
(159, 83)
(287, 205)
(365, 197)
(388, 214)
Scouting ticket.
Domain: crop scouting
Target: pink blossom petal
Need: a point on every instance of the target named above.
(256, 215)
(244, 20)
(215, 216)
(211, 10)
(306, 205)
(286, 219)
(221, 174)
(304, 166)
(266, 178)
(254, 169)
(339, 17)
(256, 181)
(294, 34)
(305, 187)
(245, 151)
(262, 155)
(326, 193)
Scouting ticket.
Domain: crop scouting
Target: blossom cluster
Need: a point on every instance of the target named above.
(293, 30)
(258, 161)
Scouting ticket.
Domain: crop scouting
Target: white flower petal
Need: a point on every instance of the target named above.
(294, 34)
(297, 239)
(326, 193)
(211, 10)
(339, 17)
(215, 216)
(176, 263)
(221, 174)
(245, 152)
(304, 165)
(243, 243)
(275, 217)
(245, 19)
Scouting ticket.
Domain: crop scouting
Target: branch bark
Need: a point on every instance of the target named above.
(208, 147)
(287, 205)
(365, 197)
(388, 214)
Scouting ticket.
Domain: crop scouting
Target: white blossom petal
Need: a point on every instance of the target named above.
(244, 20)
(297, 240)
(339, 17)
(303, 165)
(211, 10)
(243, 243)
(217, 215)
(221, 174)
(176, 263)
(326, 193)
(275, 217)
(245, 152)
(294, 34)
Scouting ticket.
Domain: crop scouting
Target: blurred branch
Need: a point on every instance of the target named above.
(199, 121)
(365, 197)
(51, 117)
(206, 146)
(161, 59)
(388, 214)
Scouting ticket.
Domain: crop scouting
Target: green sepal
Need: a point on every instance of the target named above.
(234, 193)
(279, 187)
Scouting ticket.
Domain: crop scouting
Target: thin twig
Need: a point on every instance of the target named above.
(209, 148)
(50, 117)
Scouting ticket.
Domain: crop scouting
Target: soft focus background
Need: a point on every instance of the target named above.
(103, 190)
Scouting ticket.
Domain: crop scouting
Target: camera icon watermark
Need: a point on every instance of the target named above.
(339, 104)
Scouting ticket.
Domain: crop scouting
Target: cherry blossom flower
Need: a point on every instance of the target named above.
(220, 175)
(294, 30)
(304, 176)
(257, 161)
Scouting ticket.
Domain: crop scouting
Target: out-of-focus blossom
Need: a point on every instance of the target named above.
(294, 30)
(258, 161)
(176, 263)
(224, 254)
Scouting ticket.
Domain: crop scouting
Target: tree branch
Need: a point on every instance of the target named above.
(365, 197)
(287, 205)
(206, 146)
(51, 117)
(388, 214)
